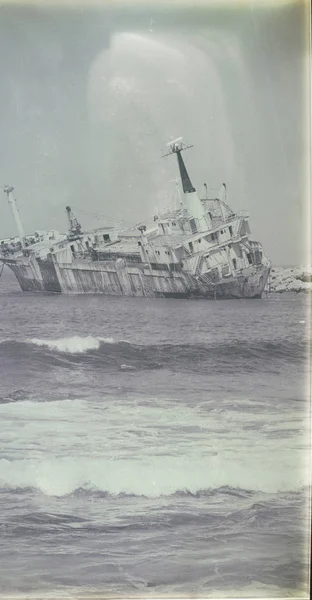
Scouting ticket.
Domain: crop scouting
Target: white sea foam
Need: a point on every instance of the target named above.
(73, 345)
(256, 589)
(145, 450)
(41, 595)
(152, 478)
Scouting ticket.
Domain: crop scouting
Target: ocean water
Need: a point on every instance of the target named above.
(153, 448)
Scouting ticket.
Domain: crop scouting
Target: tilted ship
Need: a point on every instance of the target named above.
(199, 249)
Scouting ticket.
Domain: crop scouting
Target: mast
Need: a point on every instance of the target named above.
(176, 147)
(191, 199)
(187, 185)
(8, 190)
(74, 226)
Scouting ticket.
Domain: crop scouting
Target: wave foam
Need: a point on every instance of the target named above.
(73, 345)
(158, 478)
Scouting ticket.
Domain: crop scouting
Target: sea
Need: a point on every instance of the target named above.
(153, 448)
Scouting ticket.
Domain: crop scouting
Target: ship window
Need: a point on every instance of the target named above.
(72, 248)
(87, 244)
(106, 237)
(191, 246)
(139, 244)
(249, 258)
(221, 231)
(231, 230)
(173, 224)
(234, 263)
(199, 241)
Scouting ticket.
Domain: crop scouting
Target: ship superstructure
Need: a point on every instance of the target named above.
(199, 248)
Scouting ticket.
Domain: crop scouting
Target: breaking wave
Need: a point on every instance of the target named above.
(106, 352)
(72, 345)
(153, 478)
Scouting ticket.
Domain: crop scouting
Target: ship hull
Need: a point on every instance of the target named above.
(247, 285)
(34, 275)
(120, 279)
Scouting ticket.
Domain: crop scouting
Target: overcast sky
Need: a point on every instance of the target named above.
(90, 98)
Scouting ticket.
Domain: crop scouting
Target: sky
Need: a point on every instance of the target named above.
(91, 94)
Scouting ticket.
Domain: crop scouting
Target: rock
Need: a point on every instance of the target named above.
(295, 279)
(306, 277)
